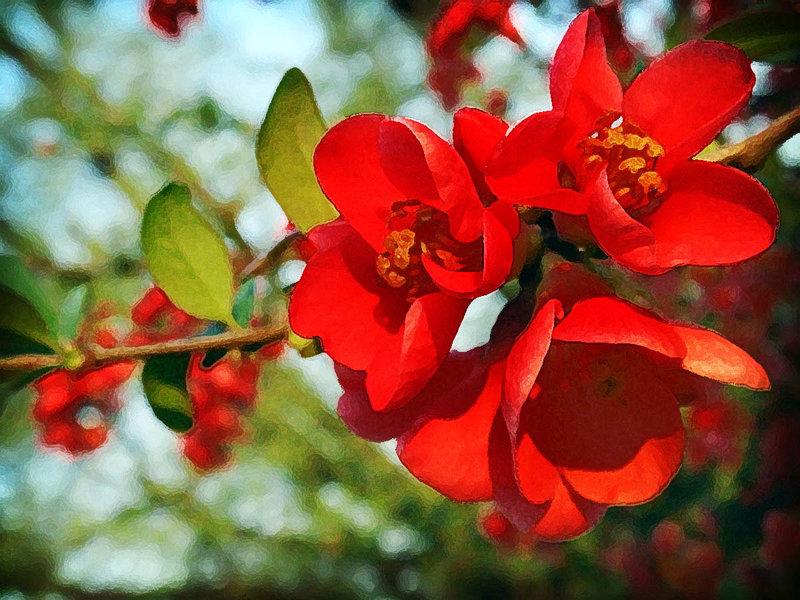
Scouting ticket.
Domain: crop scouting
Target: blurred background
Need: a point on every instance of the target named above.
(98, 110)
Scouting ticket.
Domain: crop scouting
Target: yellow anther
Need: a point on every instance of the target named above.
(633, 164)
(635, 142)
(651, 182)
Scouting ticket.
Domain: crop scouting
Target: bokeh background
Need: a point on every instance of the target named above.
(98, 111)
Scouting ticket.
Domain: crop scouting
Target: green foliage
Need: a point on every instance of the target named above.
(285, 149)
(71, 312)
(187, 258)
(764, 36)
(164, 383)
(25, 313)
(244, 303)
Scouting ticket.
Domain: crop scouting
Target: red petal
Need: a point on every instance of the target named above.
(622, 237)
(404, 365)
(347, 162)
(686, 97)
(599, 419)
(525, 360)
(355, 410)
(449, 450)
(567, 516)
(338, 299)
(475, 136)
(711, 355)
(609, 320)
(498, 256)
(427, 168)
(582, 84)
(701, 351)
(524, 167)
(712, 215)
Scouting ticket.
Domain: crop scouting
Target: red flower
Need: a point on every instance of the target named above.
(589, 401)
(388, 287)
(170, 16)
(73, 407)
(452, 66)
(157, 319)
(219, 394)
(624, 161)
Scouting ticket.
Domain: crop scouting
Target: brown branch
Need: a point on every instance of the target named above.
(97, 354)
(263, 264)
(751, 153)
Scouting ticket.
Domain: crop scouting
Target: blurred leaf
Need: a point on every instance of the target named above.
(24, 308)
(164, 383)
(187, 258)
(764, 36)
(71, 312)
(244, 303)
(305, 347)
(285, 149)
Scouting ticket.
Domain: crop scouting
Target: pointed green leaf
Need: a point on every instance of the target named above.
(187, 258)
(71, 313)
(164, 383)
(24, 307)
(764, 36)
(285, 149)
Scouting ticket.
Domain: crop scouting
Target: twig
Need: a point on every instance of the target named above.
(262, 264)
(98, 354)
(751, 153)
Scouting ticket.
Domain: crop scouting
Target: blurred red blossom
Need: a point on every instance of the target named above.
(620, 52)
(219, 394)
(73, 408)
(419, 238)
(170, 16)
(452, 65)
(157, 319)
(623, 161)
(718, 432)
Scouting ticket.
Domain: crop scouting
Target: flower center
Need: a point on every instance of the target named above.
(416, 229)
(629, 157)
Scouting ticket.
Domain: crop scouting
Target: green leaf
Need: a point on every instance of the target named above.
(71, 312)
(187, 258)
(164, 382)
(285, 149)
(24, 308)
(244, 303)
(772, 37)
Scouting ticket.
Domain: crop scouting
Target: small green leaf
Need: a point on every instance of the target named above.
(24, 308)
(285, 150)
(187, 258)
(164, 382)
(765, 36)
(244, 303)
(71, 312)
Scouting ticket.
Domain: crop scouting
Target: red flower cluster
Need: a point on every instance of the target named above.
(622, 162)
(218, 394)
(578, 410)
(452, 66)
(170, 16)
(73, 408)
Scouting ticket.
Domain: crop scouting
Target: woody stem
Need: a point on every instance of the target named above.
(97, 354)
(751, 153)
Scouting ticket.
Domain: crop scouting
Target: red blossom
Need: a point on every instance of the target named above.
(718, 429)
(157, 319)
(452, 65)
(73, 408)
(171, 16)
(390, 281)
(623, 161)
(219, 394)
(602, 427)
(620, 53)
